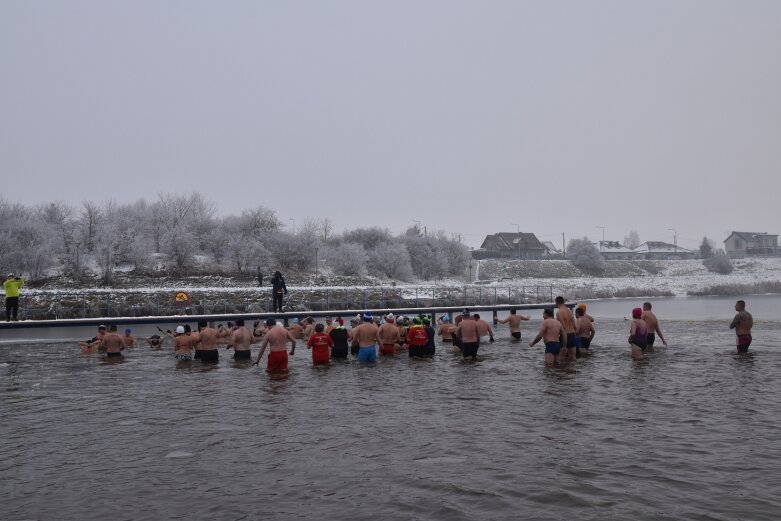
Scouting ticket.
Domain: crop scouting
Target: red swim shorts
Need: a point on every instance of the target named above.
(277, 362)
(388, 349)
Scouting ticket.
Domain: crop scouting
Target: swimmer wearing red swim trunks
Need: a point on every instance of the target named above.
(742, 324)
(276, 338)
(389, 336)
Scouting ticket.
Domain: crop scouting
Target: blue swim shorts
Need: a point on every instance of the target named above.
(367, 354)
(552, 347)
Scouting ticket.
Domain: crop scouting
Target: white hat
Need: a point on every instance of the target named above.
(179, 330)
(390, 316)
(280, 324)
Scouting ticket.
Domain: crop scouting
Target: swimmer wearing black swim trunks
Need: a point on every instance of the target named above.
(552, 333)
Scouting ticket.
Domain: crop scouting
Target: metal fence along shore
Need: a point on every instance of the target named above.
(52, 305)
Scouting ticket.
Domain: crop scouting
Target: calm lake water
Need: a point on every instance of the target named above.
(688, 433)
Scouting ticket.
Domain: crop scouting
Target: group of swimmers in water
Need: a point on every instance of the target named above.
(566, 336)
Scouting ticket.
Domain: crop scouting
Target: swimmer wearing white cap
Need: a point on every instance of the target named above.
(183, 344)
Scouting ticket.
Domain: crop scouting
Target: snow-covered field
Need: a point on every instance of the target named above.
(674, 277)
(652, 277)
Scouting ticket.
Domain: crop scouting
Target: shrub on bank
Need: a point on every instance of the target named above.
(719, 263)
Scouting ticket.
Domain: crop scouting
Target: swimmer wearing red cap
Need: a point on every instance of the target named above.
(638, 334)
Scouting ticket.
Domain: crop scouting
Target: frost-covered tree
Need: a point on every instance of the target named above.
(706, 249)
(369, 238)
(348, 259)
(326, 229)
(292, 250)
(390, 260)
(719, 263)
(456, 253)
(583, 254)
(632, 240)
(89, 221)
(427, 259)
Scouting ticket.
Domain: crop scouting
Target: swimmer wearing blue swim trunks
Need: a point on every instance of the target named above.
(367, 337)
(552, 333)
(367, 354)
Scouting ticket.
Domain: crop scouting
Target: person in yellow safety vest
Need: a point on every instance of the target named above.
(11, 287)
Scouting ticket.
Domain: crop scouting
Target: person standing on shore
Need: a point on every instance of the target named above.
(653, 326)
(552, 333)
(564, 315)
(278, 291)
(514, 320)
(742, 324)
(276, 339)
(11, 287)
(260, 278)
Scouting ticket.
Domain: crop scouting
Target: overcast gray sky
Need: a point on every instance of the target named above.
(467, 116)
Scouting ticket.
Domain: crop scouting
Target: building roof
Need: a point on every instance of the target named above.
(508, 241)
(660, 247)
(612, 247)
(749, 236)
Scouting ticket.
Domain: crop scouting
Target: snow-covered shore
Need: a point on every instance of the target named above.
(649, 277)
(654, 277)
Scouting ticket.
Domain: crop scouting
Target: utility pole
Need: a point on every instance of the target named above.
(563, 247)
(601, 244)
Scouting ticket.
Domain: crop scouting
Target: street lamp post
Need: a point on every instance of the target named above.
(675, 238)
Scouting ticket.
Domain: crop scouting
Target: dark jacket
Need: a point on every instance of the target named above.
(278, 283)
